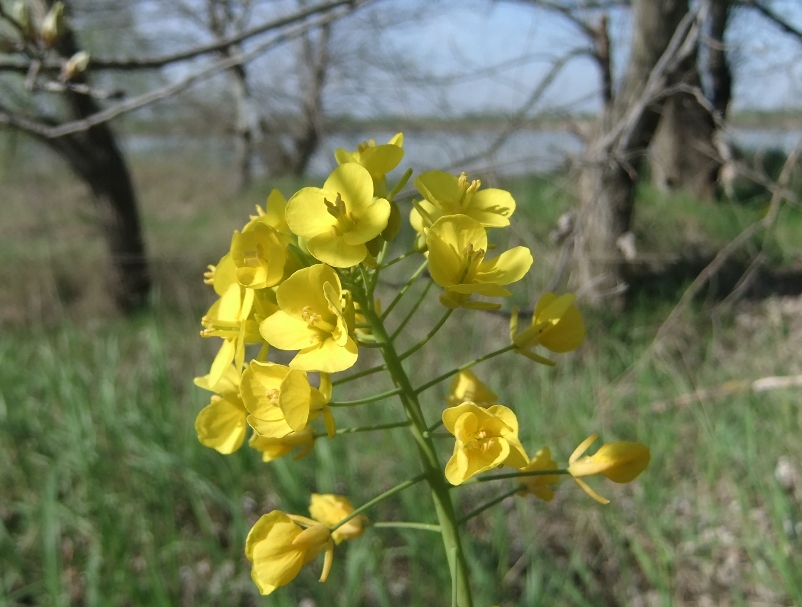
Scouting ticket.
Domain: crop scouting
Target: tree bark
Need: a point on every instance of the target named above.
(687, 149)
(683, 154)
(97, 159)
(611, 168)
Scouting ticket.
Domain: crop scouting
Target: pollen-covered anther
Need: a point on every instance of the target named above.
(251, 258)
(208, 276)
(273, 396)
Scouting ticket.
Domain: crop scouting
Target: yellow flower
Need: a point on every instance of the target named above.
(229, 318)
(221, 276)
(280, 400)
(331, 509)
(446, 194)
(278, 547)
(467, 387)
(486, 438)
(377, 159)
(556, 325)
(312, 319)
(540, 485)
(259, 256)
(274, 448)
(620, 461)
(221, 425)
(274, 214)
(340, 218)
(457, 246)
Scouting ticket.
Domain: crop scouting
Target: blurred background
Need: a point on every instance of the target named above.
(652, 147)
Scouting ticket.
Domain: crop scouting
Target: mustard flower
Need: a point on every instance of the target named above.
(221, 425)
(274, 448)
(377, 159)
(457, 246)
(620, 461)
(556, 325)
(222, 275)
(274, 214)
(467, 387)
(446, 194)
(278, 547)
(280, 400)
(329, 510)
(338, 219)
(486, 438)
(541, 486)
(314, 320)
(229, 318)
(259, 256)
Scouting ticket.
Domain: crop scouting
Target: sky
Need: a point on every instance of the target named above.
(466, 36)
(486, 56)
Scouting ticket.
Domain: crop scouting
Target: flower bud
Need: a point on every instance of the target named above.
(75, 65)
(53, 25)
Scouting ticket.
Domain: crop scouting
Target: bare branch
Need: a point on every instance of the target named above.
(776, 19)
(133, 63)
(50, 132)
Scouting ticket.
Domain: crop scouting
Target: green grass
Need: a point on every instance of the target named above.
(107, 498)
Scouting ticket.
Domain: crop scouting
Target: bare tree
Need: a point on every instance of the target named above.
(661, 42)
(687, 149)
(95, 157)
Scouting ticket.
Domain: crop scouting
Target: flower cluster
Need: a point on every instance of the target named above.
(301, 276)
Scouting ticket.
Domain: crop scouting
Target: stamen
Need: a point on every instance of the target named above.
(272, 396)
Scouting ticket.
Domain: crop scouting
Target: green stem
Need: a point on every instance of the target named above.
(399, 258)
(366, 400)
(467, 365)
(411, 313)
(429, 335)
(404, 289)
(498, 477)
(353, 376)
(401, 183)
(490, 504)
(405, 525)
(373, 428)
(433, 469)
(379, 498)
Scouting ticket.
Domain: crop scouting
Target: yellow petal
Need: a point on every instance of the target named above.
(511, 266)
(567, 335)
(221, 425)
(306, 212)
(370, 223)
(492, 207)
(354, 184)
(287, 333)
(334, 250)
(295, 399)
(587, 489)
(583, 446)
(327, 357)
(304, 290)
(223, 359)
(272, 426)
(381, 159)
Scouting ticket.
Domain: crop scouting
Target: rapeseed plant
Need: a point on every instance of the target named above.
(301, 276)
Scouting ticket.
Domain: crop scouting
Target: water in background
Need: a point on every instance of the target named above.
(524, 151)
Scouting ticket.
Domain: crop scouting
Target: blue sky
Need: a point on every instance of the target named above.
(464, 37)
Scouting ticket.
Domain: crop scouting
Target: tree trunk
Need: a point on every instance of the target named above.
(683, 153)
(247, 125)
(95, 157)
(686, 151)
(613, 159)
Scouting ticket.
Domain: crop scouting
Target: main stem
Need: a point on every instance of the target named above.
(431, 465)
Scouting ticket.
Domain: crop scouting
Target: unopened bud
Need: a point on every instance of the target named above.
(75, 65)
(53, 25)
(21, 14)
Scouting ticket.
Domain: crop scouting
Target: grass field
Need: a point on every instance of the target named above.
(107, 498)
